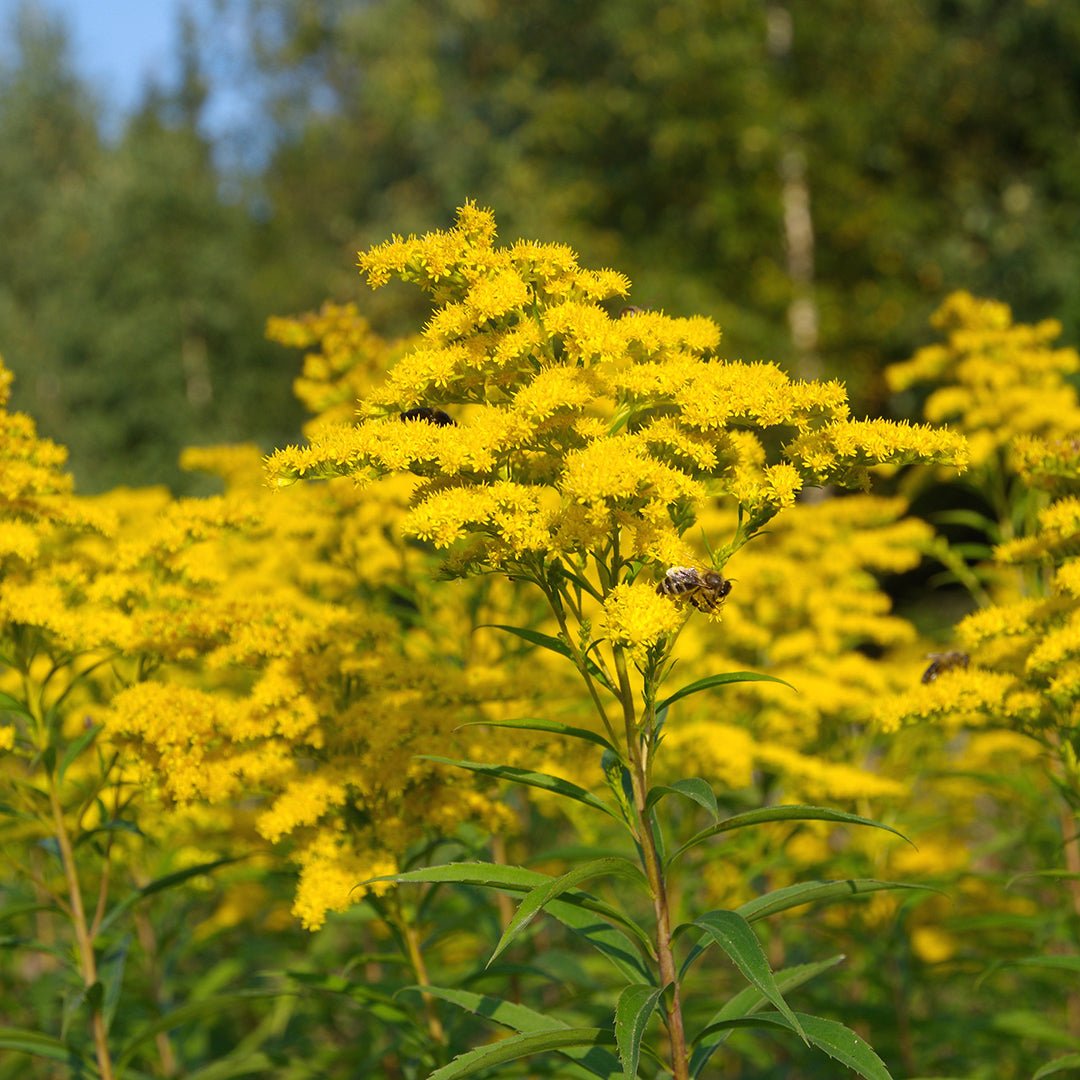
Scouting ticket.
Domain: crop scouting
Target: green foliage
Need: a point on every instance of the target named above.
(937, 149)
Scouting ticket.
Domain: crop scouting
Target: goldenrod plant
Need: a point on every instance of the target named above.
(566, 443)
(1011, 671)
(184, 682)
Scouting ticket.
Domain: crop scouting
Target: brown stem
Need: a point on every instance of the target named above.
(1071, 846)
(505, 906)
(144, 930)
(416, 959)
(654, 873)
(83, 939)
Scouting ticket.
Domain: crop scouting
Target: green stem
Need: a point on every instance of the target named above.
(83, 939)
(411, 937)
(636, 745)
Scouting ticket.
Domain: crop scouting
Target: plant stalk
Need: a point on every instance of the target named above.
(83, 938)
(654, 873)
(416, 959)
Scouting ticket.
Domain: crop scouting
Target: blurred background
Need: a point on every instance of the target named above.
(814, 174)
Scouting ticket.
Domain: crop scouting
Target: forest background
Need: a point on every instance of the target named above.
(817, 178)
(848, 164)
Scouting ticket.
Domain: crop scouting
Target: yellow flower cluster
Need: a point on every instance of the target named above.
(541, 423)
(807, 607)
(1012, 395)
(35, 492)
(299, 690)
(253, 650)
(350, 356)
(997, 380)
(637, 618)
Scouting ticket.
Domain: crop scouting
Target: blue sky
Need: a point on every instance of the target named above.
(118, 44)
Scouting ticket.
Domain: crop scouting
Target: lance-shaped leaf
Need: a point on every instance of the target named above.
(555, 645)
(635, 1006)
(44, 1046)
(242, 1063)
(746, 1002)
(555, 784)
(733, 934)
(837, 1041)
(551, 726)
(695, 789)
(794, 812)
(520, 1018)
(518, 879)
(534, 903)
(13, 704)
(610, 941)
(76, 747)
(185, 1014)
(159, 884)
(1070, 1062)
(520, 1046)
(722, 679)
(815, 892)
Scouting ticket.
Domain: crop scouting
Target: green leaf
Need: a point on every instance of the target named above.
(719, 680)
(1067, 875)
(814, 892)
(76, 747)
(376, 1003)
(635, 1006)
(243, 1065)
(520, 1046)
(748, 1001)
(610, 941)
(970, 519)
(555, 645)
(834, 1039)
(158, 884)
(185, 1014)
(535, 901)
(794, 812)
(552, 726)
(555, 784)
(733, 934)
(518, 879)
(111, 973)
(694, 788)
(1058, 963)
(13, 911)
(45, 1046)
(519, 1018)
(973, 551)
(1069, 1061)
(1032, 1024)
(115, 825)
(12, 704)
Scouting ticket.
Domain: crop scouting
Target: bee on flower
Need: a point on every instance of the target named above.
(429, 416)
(706, 590)
(944, 661)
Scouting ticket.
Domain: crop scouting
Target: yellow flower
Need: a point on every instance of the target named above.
(1003, 383)
(611, 422)
(638, 618)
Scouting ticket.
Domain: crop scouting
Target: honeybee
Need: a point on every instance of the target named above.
(430, 416)
(944, 661)
(705, 589)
